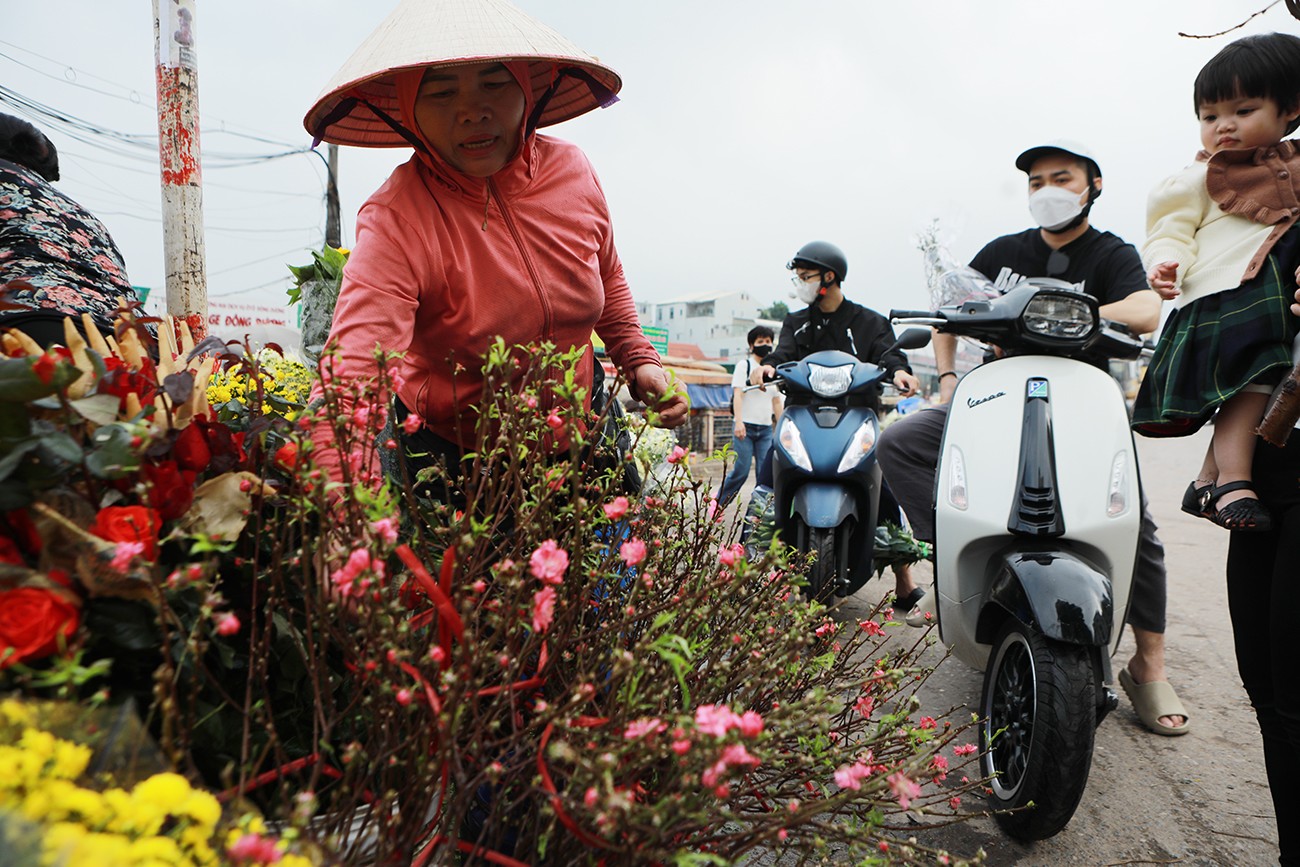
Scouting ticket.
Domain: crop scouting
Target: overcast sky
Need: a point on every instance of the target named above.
(744, 130)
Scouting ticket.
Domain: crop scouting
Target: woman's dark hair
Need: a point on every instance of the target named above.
(22, 143)
(1265, 66)
(760, 331)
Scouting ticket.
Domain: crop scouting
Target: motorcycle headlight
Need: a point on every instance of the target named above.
(1059, 316)
(859, 447)
(792, 442)
(830, 381)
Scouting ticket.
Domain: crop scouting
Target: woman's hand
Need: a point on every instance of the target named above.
(665, 399)
(1162, 277)
(1295, 308)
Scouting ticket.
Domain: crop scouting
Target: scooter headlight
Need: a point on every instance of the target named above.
(859, 447)
(1117, 495)
(1059, 316)
(792, 442)
(830, 381)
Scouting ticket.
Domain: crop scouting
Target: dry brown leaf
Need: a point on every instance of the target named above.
(221, 506)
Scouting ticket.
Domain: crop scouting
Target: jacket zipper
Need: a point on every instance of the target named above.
(547, 326)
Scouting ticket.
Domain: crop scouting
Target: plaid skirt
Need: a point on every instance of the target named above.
(1214, 347)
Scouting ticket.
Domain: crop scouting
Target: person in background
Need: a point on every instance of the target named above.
(1064, 180)
(832, 321)
(56, 259)
(755, 412)
(489, 229)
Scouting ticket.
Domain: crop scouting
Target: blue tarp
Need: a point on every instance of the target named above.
(709, 396)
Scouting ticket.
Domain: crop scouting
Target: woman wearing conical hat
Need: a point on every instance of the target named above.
(490, 229)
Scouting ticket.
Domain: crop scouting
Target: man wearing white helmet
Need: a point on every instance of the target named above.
(1064, 182)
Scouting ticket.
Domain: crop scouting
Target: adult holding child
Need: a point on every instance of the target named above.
(490, 229)
(1223, 242)
(1220, 241)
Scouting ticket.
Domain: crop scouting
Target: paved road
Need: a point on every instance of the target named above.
(1200, 799)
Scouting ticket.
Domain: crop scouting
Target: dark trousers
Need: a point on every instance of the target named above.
(1263, 601)
(909, 456)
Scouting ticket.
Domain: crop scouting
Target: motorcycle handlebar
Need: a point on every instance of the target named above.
(911, 314)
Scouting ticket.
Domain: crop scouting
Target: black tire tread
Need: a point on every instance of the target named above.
(1062, 740)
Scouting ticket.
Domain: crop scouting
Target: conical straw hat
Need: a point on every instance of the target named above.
(421, 33)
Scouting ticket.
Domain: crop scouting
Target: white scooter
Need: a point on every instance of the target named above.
(1037, 517)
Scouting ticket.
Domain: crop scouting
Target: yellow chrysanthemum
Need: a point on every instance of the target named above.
(202, 808)
(15, 713)
(70, 760)
(162, 849)
(100, 849)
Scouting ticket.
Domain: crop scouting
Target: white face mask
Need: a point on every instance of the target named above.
(808, 291)
(1054, 208)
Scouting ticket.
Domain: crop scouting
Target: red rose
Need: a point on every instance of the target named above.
(191, 449)
(120, 380)
(286, 456)
(170, 491)
(32, 621)
(129, 524)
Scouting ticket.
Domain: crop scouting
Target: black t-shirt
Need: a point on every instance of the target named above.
(1109, 269)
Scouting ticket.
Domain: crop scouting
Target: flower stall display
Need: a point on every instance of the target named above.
(510, 661)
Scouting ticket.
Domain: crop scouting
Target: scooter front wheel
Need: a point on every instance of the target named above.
(1038, 718)
(822, 574)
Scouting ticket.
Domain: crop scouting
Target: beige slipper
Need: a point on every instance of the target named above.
(1153, 700)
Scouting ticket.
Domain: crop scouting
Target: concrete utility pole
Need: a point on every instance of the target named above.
(333, 223)
(179, 156)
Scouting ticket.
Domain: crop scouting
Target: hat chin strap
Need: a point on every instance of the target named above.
(344, 108)
(603, 94)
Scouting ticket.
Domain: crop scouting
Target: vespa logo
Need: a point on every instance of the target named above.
(973, 402)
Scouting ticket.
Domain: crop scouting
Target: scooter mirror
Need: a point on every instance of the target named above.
(913, 338)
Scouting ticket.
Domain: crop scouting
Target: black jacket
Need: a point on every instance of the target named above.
(852, 328)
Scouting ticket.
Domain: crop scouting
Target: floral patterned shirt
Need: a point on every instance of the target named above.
(59, 248)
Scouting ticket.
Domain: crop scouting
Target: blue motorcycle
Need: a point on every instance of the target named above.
(825, 475)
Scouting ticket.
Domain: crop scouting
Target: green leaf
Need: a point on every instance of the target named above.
(17, 452)
(113, 456)
(129, 625)
(100, 409)
(59, 446)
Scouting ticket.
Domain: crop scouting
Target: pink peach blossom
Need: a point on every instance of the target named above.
(643, 727)
(632, 551)
(730, 555)
(616, 508)
(751, 724)
(254, 849)
(543, 609)
(412, 423)
(124, 553)
(386, 528)
(851, 776)
(904, 788)
(677, 454)
(549, 562)
(227, 624)
(964, 749)
(715, 719)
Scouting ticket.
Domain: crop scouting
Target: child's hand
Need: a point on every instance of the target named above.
(1161, 278)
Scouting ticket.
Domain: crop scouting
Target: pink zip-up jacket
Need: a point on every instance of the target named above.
(443, 263)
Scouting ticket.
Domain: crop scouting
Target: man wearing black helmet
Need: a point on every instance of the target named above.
(1064, 182)
(831, 321)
